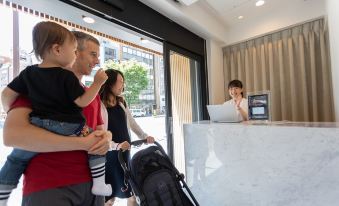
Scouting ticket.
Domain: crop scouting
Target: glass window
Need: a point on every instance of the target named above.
(124, 49)
(6, 72)
(6, 48)
(26, 24)
(110, 54)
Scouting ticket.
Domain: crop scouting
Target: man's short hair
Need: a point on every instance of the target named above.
(84, 37)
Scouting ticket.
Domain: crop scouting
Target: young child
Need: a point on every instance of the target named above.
(57, 99)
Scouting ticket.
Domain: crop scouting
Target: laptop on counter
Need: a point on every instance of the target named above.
(223, 113)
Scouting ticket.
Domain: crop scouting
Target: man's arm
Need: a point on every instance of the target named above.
(19, 133)
(8, 96)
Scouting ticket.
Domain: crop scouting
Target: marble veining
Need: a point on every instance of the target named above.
(250, 165)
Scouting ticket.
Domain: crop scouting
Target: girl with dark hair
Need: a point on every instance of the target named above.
(235, 90)
(119, 121)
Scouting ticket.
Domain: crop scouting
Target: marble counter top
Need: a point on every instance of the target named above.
(266, 164)
(279, 123)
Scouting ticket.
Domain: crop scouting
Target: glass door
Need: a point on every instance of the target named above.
(185, 94)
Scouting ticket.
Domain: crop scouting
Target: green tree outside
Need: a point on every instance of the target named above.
(135, 78)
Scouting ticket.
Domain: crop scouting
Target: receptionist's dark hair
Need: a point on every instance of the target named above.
(235, 83)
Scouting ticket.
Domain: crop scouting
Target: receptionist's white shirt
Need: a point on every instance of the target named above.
(243, 105)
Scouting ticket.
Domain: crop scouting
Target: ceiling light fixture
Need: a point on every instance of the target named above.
(144, 41)
(260, 3)
(88, 19)
(240, 17)
(187, 2)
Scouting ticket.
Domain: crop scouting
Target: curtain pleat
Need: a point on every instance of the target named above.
(247, 71)
(263, 63)
(303, 89)
(313, 84)
(327, 88)
(293, 64)
(283, 98)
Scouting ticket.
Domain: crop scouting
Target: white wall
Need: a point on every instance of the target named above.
(333, 24)
(215, 72)
(288, 15)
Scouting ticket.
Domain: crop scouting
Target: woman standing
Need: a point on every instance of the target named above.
(235, 90)
(119, 121)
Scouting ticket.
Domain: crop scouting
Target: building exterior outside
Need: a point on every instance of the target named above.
(152, 99)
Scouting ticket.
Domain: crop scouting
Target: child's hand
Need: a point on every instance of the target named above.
(100, 77)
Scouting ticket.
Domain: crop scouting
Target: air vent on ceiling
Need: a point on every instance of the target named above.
(186, 2)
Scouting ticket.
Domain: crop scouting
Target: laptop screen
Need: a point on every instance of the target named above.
(223, 113)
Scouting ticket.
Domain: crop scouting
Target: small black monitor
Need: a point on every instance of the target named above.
(258, 107)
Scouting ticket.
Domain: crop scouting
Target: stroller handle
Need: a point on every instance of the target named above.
(136, 143)
(139, 142)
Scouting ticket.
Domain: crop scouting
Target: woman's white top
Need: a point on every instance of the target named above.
(243, 105)
(131, 123)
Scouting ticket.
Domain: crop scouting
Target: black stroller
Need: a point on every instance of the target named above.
(154, 179)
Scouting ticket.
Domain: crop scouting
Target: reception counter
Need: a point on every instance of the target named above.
(263, 164)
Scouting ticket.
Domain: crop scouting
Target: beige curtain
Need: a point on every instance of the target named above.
(293, 64)
(181, 104)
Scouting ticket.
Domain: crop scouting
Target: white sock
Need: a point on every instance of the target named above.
(99, 186)
(4, 195)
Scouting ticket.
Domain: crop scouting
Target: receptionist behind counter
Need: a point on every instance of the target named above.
(235, 90)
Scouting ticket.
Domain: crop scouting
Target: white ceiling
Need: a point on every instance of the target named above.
(229, 10)
(66, 12)
(218, 19)
(215, 20)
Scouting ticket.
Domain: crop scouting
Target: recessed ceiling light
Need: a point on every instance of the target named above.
(88, 19)
(144, 41)
(260, 3)
(240, 17)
